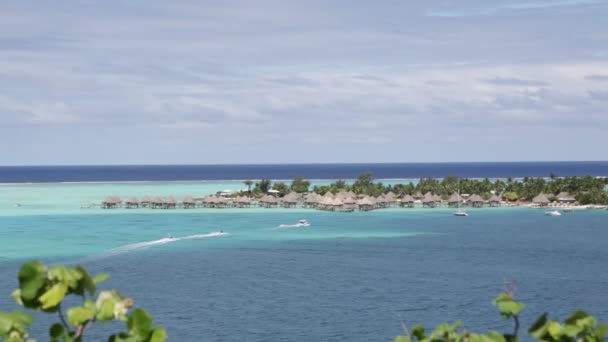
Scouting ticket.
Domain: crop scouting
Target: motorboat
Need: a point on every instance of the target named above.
(553, 213)
(302, 223)
(461, 213)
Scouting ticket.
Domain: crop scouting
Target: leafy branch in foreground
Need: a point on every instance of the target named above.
(44, 289)
(579, 327)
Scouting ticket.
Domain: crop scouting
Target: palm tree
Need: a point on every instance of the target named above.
(248, 183)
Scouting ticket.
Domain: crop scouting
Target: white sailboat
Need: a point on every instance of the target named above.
(460, 212)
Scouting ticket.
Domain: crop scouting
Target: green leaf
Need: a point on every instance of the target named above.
(59, 273)
(21, 318)
(106, 312)
(79, 315)
(17, 296)
(539, 328)
(501, 298)
(32, 277)
(510, 308)
(601, 331)
(5, 324)
(85, 283)
(56, 331)
(576, 316)
(571, 330)
(160, 335)
(402, 339)
(100, 278)
(418, 332)
(140, 323)
(555, 329)
(496, 336)
(586, 323)
(74, 279)
(53, 296)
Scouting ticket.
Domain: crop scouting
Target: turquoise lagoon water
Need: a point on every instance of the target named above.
(349, 276)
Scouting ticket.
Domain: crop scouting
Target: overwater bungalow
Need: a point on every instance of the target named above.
(495, 201)
(454, 200)
(429, 200)
(475, 200)
(541, 200)
(381, 201)
(407, 201)
(290, 200)
(390, 198)
(242, 202)
(311, 200)
(169, 203)
(111, 202)
(132, 203)
(269, 201)
(156, 203)
(145, 201)
(350, 203)
(366, 204)
(189, 202)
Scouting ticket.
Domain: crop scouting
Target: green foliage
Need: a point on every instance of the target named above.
(300, 185)
(248, 184)
(44, 289)
(263, 186)
(588, 190)
(281, 187)
(579, 327)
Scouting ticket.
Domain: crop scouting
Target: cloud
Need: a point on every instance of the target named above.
(15, 112)
(509, 8)
(512, 81)
(595, 77)
(306, 74)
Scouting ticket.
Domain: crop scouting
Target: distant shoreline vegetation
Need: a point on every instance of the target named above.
(365, 194)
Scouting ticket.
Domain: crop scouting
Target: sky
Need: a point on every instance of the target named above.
(233, 82)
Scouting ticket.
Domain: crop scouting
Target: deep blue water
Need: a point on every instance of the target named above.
(340, 279)
(23, 174)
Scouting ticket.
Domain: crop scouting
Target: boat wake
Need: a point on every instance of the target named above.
(301, 223)
(147, 244)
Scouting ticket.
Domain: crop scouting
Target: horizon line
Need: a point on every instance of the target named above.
(311, 163)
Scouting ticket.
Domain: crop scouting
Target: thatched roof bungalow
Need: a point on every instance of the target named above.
(188, 202)
(145, 201)
(454, 200)
(132, 203)
(564, 197)
(407, 200)
(157, 202)
(111, 202)
(429, 200)
(541, 200)
(475, 200)
(495, 201)
(366, 204)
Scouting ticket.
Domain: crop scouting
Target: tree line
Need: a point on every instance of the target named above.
(586, 189)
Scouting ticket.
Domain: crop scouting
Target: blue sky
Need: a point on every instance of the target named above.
(153, 82)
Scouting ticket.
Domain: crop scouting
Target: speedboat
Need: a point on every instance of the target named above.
(461, 213)
(553, 213)
(302, 223)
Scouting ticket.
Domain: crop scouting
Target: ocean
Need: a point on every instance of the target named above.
(349, 276)
(42, 174)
